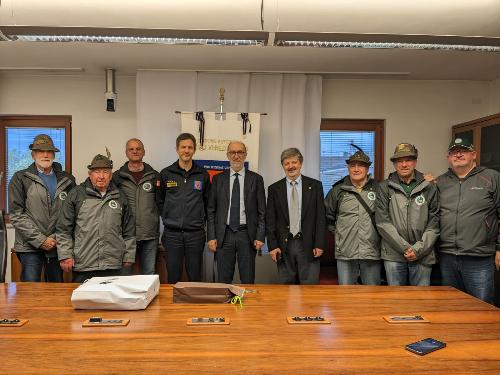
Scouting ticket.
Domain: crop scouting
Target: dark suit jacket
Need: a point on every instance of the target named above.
(313, 221)
(254, 196)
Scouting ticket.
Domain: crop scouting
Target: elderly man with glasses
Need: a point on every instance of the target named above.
(469, 212)
(236, 217)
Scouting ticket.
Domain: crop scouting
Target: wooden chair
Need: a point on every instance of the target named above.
(3, 247)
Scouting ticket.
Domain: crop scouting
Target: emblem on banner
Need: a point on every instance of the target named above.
(113, 204)
(372, 196)
(63, 195)
(420, 200)
(197, 185)
(147, 186)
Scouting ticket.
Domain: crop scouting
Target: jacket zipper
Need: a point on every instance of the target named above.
(408, 202)
(456, 216)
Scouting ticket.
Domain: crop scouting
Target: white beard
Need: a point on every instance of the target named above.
(44, 164)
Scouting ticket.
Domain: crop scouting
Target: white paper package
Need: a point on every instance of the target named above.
(116, 293)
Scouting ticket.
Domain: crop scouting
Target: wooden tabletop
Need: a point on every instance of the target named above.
(259, 339)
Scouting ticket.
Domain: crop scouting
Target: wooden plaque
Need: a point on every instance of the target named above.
(404, 319)
(191, 322)
(290, 320)
(18, 324)
(106, 323)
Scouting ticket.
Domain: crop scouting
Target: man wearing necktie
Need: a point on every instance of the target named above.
(236, 217)
(295, 222)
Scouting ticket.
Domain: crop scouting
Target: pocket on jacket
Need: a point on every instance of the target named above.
(491, 227)
(338, 242)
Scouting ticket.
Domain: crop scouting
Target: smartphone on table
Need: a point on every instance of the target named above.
(425, 346)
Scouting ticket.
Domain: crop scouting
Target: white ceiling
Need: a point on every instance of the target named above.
(444, 17)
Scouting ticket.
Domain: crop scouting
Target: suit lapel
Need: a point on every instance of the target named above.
(284, 199)
(246, 186)
(306, 196)
(225, 182)
(226, 185)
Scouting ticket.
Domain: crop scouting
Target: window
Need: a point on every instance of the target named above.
(341, 138)
(17, 134)
(484, 133)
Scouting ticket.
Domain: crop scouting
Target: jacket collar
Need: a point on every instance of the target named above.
(91, 190)
(32, 172)
(474, 171)
(175, 168)
(419, 177)
(393, 180)
(125, 172)
(346, 183)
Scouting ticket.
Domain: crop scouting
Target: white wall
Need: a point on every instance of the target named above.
(82, 97)
(418, 112)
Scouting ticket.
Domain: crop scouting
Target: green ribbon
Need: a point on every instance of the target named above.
(237, 299)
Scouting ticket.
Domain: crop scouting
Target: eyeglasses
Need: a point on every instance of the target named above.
(458, 151)
(236, 153)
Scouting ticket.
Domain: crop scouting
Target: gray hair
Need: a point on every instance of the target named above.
(290, 153)
(134, 140)
(236, 141)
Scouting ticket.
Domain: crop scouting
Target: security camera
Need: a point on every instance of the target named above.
(110, 98)
(110, 94)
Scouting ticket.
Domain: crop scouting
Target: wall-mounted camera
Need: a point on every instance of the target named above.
(110, 94)
(110, 98)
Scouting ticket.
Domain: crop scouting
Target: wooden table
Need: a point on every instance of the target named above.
(258, 340)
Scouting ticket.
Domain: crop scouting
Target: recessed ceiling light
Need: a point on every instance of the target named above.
(135, 40)
(386, 45)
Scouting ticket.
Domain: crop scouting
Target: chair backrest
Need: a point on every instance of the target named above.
(3, 247)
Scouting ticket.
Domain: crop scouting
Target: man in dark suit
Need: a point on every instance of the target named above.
(236, 217)
(295, 219)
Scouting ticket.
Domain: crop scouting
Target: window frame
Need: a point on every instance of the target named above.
(378, 126)
(476, 126)
(19, 121)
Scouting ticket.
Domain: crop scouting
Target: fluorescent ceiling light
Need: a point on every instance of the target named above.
(39, 69)
(386, 45)
(135, 40)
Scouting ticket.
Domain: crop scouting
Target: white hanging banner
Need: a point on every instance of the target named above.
(219, 130)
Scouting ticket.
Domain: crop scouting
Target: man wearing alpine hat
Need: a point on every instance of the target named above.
(95, 230)
(36, 195)
(407, 219)
(350, 213)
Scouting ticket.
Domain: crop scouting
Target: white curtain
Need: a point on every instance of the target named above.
(292, 103)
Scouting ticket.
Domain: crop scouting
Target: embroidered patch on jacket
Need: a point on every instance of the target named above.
(197, 185)
(63, 195)
(372, 196)
(147, 186)
(113, 204)
(420, 200)
(171, 184)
